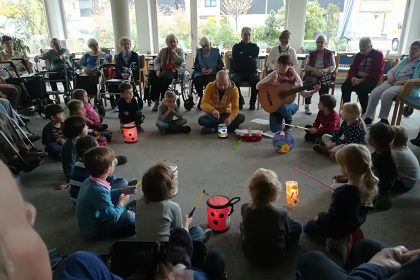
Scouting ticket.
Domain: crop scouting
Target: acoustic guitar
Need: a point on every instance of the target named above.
(272, 97)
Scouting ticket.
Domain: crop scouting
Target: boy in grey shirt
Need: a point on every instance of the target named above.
(166, 113)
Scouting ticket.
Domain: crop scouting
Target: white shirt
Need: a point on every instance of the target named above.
(274, 55)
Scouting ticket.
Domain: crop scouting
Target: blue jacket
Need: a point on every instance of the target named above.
(94, 206)
(415, 91)
(134, 58)
(214, 61)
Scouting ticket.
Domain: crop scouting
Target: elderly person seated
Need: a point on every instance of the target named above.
(321, 62)
(221, 105)
(127, 58)
(93, 58)
(207, 63)
(8, 53)
(165, 66)
(244, 66)
(57, 58)
(281, 49)
(408, 68)
(364, 73)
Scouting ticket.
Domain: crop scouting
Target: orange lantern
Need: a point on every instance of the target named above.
(129, 132)
(292, 193)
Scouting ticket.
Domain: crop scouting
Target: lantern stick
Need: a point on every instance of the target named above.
(138, 183)
(197, 203)
(313, 178)
(235, 146)
(301, 127)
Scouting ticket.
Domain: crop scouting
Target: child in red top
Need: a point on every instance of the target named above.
(327, 120)
(92, 117)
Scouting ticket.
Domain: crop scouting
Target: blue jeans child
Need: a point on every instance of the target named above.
(284, 112)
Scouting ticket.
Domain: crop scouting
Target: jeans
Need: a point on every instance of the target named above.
(363, 89)
(252, 79)
(284, 112)
(196, 233)
(168, 124)
(209, 121)
(385, 93)
(125, 226)
(53, 150)
(136, 117)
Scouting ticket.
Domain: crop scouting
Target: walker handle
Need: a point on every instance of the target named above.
(232, 202)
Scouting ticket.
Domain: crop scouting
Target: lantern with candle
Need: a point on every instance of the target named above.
(219, 209)
(129, 131)
(283, 142)
(292, 193)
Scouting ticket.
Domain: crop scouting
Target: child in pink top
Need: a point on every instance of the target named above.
(92, 117)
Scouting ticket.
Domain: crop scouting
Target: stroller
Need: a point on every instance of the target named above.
(34, 92)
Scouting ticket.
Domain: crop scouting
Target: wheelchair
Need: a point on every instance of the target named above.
(109, 84)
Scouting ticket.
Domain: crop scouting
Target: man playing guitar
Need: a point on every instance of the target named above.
(287, 81)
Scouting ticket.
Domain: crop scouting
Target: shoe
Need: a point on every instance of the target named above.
(180, 247)
(102, 127)
(121, 160)
(385, 121)
(368, 121)
(241, 102)
(252, 107)
(321, 149)
(156, 106)
(179, 129)
(416, 141)
(133, 182)
(162, 130)
(107, 135)
(287, 128)
(207, 235)
(206, 130)
(140, 129)
(33, 136)
(307, 110)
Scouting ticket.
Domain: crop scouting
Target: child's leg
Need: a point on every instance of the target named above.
(117, 183)
(180, 122)
(292, 237)
(316, 265)
(326, 138)
(125, 226)
(215, 265)
(316, 231)
(196, 233)
(138, 117)
(53, 150)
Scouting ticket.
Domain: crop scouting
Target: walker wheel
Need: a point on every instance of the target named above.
(407, 111)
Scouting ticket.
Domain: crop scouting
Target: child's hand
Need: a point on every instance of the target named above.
(340, 178)
(123, 199)
(187, 222)
(60, 140)
(330, 145)
(313, 130)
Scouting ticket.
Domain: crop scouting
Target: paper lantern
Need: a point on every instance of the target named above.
(129, 132)
(222, 130)
(174, 169)
(219, 209)
(283, 142)
(292, 193)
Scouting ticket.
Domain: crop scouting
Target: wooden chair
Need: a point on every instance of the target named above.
(343, 62)
(404, 99)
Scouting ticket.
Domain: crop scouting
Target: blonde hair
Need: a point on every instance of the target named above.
(353, 109)
(264, 187)
(170, 94)
(356, 158)
(400, 136)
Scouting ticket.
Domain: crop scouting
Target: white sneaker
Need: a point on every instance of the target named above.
(207, 235)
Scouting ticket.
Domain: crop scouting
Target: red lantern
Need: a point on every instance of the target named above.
(129, 132)
(219, 209)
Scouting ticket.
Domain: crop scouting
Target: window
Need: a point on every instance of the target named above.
(210, 3)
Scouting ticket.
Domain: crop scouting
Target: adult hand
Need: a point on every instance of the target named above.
(317, 72)
(390, 80)
(215, 114)
(313, 130)
(399, 83)
(389, 258)
(125, 76)
(228, 121)
(123, 199)
(187, 222)
(354, 81)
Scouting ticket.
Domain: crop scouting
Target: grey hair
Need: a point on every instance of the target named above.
(365, 40)
(203, 41)
(54, 39)
(6, 263)
(124, 39)
(171, 36)
(91, 42)
(416, 43)
(222, 73)
(323, 37)
(246, 28)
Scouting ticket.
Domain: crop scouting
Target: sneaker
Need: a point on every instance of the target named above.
(121, 160)
(206, 130)
(321, 149)
(385, 121)
(207, 235)
(162, 130)
(368, 121)
(308, 111)
(156, 106)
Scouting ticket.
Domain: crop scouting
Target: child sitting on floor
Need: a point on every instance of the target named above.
(52, 133)
(166, 112)
(285, 74)
(352, 128)
(76, 108)
(350, 202)
(79, 173)
(101, 212)
(327, 120)
(267, 230)
(73, 128)
(129, 109)
(380, 138)
(156, 214)
(406, 163)
(91, 116)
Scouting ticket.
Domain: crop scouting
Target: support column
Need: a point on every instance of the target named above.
(120, 20)
(194, 27)
(410, 31)
(145, 35)
(55, 19)
(295, 21)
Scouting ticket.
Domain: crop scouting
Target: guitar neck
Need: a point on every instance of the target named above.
(299, 89)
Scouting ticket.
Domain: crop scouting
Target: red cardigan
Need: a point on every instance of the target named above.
(377, 65)
(327, 123)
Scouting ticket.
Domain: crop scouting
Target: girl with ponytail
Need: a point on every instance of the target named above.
(350, 202)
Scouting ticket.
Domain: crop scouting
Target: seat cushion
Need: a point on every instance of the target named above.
(411, 101)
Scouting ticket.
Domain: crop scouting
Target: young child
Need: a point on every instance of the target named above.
(101, 212)
(166, 112)
(406, 163)
(349, 203)
(76, 108)
(129, 109)
(352, 128)
(52, 134)
(91, 116)
(380, 138)
(79, 173)
(156, 214)
(327, 120)
(73, 128)
(267, 230)
(285, 74)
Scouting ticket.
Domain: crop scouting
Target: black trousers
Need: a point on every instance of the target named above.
(252, 79)
(308, 79)
(159, 85)
(200, 82)
(362, 90)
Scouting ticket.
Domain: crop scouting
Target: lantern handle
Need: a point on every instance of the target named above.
(232, 202)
